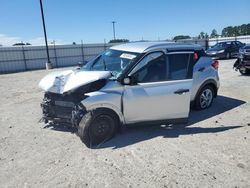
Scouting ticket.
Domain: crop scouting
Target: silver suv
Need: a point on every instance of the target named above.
(133, 83)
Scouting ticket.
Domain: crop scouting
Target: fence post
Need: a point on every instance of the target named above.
(206, 43)
(55, 54)
(82, 51)
(24, 58)
(104, 45)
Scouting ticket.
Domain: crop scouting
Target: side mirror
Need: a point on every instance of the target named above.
(80, 64)
(126, 81)
(129, 80)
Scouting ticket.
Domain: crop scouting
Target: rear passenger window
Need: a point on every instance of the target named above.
(178, 66)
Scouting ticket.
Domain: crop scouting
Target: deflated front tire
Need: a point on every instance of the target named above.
(97, 126)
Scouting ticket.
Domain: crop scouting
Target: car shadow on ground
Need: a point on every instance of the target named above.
(245, 75)
(137, 134)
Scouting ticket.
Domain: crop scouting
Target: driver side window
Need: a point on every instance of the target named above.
(152, 68)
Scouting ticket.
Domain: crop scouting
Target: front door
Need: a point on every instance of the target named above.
(161, 89)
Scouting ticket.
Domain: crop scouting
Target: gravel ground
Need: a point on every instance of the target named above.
(213, 150)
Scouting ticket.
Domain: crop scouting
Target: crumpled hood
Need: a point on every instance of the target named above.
(64, 81)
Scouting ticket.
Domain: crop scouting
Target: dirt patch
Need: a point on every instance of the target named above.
(211, 151)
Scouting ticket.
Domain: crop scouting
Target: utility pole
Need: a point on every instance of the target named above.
(48, 63)
(114, 22)
(54, 42)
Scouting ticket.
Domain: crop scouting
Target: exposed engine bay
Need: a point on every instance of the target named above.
(66, 107)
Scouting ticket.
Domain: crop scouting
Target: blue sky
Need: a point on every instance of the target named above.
(90, 20)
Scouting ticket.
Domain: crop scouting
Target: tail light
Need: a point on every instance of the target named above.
(215, 64)
(196, 56)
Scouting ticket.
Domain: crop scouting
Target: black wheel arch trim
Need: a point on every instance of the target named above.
(208, 82)
(109, 110)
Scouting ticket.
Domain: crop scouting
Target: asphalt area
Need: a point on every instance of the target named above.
(213, 150)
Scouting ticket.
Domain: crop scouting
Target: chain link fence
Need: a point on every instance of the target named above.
(207, 43)
(25, 58)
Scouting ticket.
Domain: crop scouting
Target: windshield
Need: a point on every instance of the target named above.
(112, 60)
(221, 45)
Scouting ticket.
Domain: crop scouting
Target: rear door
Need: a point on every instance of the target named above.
(234, 48)
(162, 88)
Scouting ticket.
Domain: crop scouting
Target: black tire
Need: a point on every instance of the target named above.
(198, 100)
(97, 126)
(228, 55)
(246, 72)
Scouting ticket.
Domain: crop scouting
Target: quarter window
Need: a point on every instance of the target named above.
(178, 66)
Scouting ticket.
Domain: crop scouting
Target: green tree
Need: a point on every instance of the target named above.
(181, 37)
(201, 35)
(231, 31)
(236, 30)
(19, 44)
(243, 29)
(248, 29)
(214, 34)
(118, 41)
(228, 32)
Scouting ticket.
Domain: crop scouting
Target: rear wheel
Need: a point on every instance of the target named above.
(205, 98)
(244, 71)
(97, 126)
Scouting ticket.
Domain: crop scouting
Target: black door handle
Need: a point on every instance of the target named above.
(181, 91)
(201, 69)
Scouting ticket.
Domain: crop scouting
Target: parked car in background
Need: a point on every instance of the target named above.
(133, 83)
(243, 62)
(225, 50)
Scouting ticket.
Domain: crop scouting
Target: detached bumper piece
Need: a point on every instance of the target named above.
(77, 114)
(61, 109)
(242, 64)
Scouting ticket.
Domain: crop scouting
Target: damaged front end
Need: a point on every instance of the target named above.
(58, 108)
(241, 66)
(238, 64)
(64, 106)
(242, 63)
